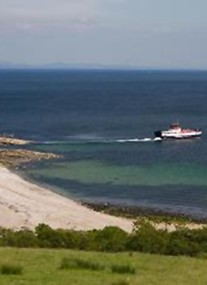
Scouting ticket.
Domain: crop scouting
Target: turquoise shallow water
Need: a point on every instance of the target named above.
(94, 172)
(128, 174)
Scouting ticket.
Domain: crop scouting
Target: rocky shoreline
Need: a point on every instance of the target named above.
(5, 140)
(136, 212)
(15, 157)
(11, 154)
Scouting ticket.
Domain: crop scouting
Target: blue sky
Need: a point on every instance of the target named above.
(141, 33)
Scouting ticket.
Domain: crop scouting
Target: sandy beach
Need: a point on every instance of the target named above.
(25, 205)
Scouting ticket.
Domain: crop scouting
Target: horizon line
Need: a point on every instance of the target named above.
(104, 68)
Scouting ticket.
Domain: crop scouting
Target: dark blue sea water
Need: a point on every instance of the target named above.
(99, 122)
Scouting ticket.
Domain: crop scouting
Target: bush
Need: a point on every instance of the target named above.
(123, 269)
(10, 269)
(111, 239)
(144, 238)
(147, 239)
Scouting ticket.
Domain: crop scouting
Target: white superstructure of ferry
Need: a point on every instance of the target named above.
(176, 132)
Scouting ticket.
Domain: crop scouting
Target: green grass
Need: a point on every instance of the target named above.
(77, 263)
(42, 266)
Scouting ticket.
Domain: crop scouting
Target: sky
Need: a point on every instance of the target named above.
(134, 33)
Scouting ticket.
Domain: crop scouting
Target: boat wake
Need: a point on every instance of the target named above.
(135, 140)
(103, 141)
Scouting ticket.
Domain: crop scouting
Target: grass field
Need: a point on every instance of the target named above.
(65, 267)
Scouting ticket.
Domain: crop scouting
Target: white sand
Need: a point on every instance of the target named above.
(23, 204)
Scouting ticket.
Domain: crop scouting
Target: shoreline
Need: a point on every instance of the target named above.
(150, 214)
(25, 205)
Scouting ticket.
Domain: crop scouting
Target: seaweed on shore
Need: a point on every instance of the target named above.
(153, 215)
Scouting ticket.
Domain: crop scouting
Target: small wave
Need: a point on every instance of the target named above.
(51, 142)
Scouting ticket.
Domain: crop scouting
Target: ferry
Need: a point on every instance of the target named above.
(176, 132)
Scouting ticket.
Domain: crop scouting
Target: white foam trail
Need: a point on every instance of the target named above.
(139, 140)
(132, 140)
(157, 139)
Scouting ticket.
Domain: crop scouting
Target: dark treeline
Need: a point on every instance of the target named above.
(144, 238)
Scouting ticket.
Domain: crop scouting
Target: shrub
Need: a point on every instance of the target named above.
(146, 238)
(24, 238)
(111, 239)
(123, 269)
(11, 269)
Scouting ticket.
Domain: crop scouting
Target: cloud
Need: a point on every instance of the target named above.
(44, 15)
(47, 13)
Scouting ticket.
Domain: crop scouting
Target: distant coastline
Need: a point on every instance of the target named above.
(95, 67)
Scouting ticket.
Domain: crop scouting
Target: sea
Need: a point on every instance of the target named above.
(102, 123)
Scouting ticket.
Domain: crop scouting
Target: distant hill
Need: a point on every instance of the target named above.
(79, 66)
